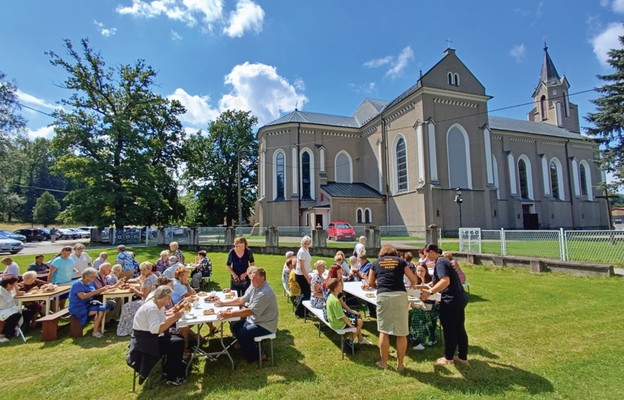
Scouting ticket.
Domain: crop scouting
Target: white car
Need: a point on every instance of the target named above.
(10, 245)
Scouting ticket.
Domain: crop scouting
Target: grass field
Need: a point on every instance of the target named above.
(532, 336)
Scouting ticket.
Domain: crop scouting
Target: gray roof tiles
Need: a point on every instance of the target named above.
(359, 190)
(537, 128)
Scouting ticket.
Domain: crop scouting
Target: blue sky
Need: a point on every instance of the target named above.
(321, 56)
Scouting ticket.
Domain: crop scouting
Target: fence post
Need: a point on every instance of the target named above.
(272, 237)
(503, 243)
(562, 245)
(432, 234)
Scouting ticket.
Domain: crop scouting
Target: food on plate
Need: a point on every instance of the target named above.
(186, 307)
(370, 295)
(229, 295)
(209, 311)
(227, 290)
(211, 299)
(202, 294)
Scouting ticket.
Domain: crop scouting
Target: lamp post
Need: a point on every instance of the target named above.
(459, 201)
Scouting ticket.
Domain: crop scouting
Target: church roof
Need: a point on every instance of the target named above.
(360, 190)
(316, 118)
(537, 128)
(549, 73)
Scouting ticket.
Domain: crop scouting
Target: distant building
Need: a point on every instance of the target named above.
(400, 162)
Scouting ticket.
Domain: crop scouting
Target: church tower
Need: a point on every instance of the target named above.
(552, 103)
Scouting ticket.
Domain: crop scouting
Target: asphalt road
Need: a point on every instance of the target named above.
(49, 247)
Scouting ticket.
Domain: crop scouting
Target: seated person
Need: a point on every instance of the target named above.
(163, 262)
(101, 279)
(293, 285)
(81, 302)
(173, 264)
(354, 268)
(39, 266)
(203, 269)
(286, 269)
(365, 266)
(336, 272)
(10, 314)
(114, 277)
(11, 267)
(181, 287)
(317, 299)
(35, 308)
(259, 318)
(151, 339)
(336, 316)
(146, 282)
(100, 260)
(339, 259)
(423, 318)
(449, 256)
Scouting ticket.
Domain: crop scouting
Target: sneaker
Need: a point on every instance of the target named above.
(419, 346)
(176, 382)
(364, 341)
(97, 335)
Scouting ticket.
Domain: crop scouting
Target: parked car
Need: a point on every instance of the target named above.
(82, 233)
(68, 234)
(10, 245)
(340, 230)
(34, 234)
(12, 235)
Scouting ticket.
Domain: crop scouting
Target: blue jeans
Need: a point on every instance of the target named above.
(245, 332)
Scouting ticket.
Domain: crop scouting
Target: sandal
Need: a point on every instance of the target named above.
(459, 360)
(379, 364)
(443, 361)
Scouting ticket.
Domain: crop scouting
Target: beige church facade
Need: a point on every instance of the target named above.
(402, 162)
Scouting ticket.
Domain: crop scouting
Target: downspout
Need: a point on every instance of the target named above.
(570, 182)
(299, 174)
(384, 135)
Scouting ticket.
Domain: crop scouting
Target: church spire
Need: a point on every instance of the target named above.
(549, 75)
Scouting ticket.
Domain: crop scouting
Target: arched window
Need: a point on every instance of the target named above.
(543, 107)
(566, 104)
(279, 179)
(359, 216)
(456, 79)
(450, 78)
(400, 156)
(368, 216)
(343, 167)
(585, 178)
(458, 149)
(307, 175)
(524, 177)
(495, 176)
(556, 179)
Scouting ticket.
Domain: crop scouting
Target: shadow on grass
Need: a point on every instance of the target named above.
(216, 377)
(485, 378)
(475, 298)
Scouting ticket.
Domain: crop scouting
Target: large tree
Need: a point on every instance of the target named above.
(46, 209)
(608, 120)
(12, 125)
(120, 142)
(217, 161)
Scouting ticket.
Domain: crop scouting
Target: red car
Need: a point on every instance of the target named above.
(340, 230)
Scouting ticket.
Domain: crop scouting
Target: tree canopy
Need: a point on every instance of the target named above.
(213, 168)
(46, 210)
(118, 141)
(608, 119)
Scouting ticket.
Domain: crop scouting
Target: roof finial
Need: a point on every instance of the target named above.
(449, 42)
(297, 105)
(545, 45)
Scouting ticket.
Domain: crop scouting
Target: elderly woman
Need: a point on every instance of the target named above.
(301, 273)
(151, 339)
(163, 262)
(31, 308)
(317, 298)
(80, 258)
(143, 285)
(11, 267)
(10, 314)
(452, 307)
(181, 286)
(82, 305)
(392, 304)
(114, 276)
(203, 269)
(239, 260)
(174, 247)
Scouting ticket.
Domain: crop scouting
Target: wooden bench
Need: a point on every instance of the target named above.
(49, 325)
(318, 313)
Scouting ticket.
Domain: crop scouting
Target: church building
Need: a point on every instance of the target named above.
(434, 155)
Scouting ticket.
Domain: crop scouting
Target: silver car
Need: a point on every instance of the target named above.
(10, 245)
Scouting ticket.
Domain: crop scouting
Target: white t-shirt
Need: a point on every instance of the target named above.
(359, 250)
(149, 317)
(81, 263)
(12, 269)
(303, 254)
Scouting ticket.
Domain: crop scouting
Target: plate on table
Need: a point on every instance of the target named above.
(209, 311)
(211, 299)
(370, 295)
(189, 316)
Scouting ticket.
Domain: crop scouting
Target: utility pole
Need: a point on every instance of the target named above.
(240, 203)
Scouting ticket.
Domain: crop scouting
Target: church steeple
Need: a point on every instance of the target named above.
(552, 104)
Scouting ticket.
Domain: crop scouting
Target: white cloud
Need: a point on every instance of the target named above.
(378, 62)
(407, 54)
(199, 112)
(618, 6)
(606, 40)
(45, 132)
(518, 52)
(34, 102)
(175, 36)
(367, 88)
(104, 31)
(248, 16)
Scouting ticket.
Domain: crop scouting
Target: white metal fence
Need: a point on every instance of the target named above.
(588, 246)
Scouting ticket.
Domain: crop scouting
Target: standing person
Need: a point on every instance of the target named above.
(175, 251)
(360, 248)
(452, 307)
(239, 260)
(392, 304)
(257, 319)
(80, 257)
(302, 273)
(127, 261)
(62, 271)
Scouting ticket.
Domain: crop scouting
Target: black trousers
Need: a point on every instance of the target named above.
(172, 346)
(452, 318)
(306, 292)
(10, 324)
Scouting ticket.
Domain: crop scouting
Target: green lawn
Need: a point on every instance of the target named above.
(543, 336)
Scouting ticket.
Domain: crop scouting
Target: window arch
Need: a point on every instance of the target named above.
(585, 178)
(307, 175)
(359, 216)
(556, 179)
(458, 157)
(456, 79)
(343, 167)
(368, 216)
(524, 177)
(495, 176)
(450, 78)
(400, 165)
(279, 175)
(543, 107)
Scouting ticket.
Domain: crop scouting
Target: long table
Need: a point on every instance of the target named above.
(44, 296)
(370, 295)
(196, 318)
(124, 294)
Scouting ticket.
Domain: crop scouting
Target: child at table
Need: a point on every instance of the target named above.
(337, 318)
